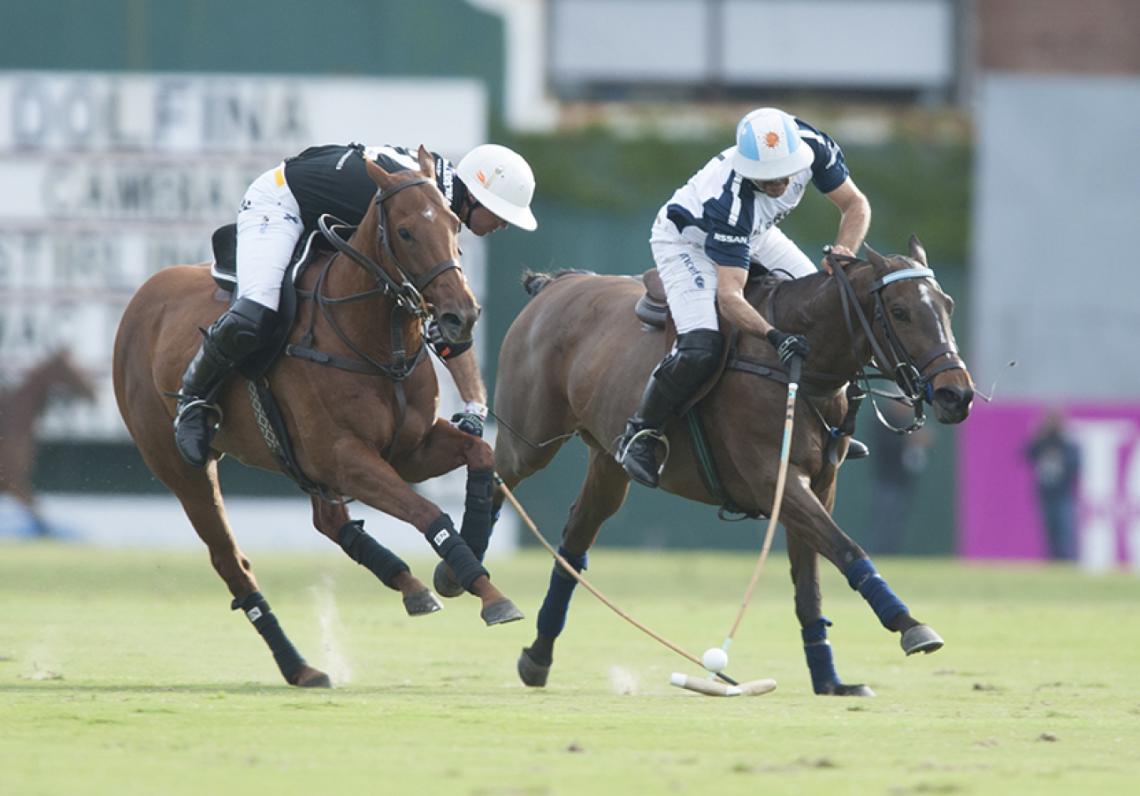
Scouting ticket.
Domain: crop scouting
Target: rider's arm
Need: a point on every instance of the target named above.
(854, 218)
(730, 282)
(464, 369)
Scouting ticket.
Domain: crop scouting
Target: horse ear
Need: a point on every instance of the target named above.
(916, 250)
(382, 178)
(427, 162)
(876, 259)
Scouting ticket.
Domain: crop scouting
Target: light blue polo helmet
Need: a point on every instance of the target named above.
(769, 146)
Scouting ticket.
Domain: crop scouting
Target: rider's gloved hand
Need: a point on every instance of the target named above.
(470, 420)
(788, 346)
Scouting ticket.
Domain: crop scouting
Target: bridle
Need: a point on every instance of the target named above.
(407, 294)
(914, 377)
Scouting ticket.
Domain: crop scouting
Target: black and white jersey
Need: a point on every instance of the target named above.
(332, 179)
(719, 210)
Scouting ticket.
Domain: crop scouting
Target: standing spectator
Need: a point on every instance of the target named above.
(896, 466)
(1056, 464)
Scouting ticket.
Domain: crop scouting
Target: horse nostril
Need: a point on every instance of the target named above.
(954, 397)
(456, 328)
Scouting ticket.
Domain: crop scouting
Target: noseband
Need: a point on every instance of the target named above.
(914, 377)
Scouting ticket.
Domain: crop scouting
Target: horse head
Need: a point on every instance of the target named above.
(419, 238)
(62, 376)
(914, 340)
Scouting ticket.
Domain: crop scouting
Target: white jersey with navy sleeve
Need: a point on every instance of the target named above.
(728, 217)
(719, 219)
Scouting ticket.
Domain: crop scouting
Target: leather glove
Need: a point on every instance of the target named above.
(788, 346)
(470, 420)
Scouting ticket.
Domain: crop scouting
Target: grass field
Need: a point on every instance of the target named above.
(126, 672)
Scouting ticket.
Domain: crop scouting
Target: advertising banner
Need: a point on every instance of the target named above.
(1005, 497)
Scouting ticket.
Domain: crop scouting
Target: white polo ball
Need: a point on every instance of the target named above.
(715, 659)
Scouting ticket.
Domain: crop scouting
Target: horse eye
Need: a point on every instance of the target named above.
(900, 314)
(404, 233)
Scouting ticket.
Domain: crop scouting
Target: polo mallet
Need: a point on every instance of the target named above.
(795, 369)
(727, 686)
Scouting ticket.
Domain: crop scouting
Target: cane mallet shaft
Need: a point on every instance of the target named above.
(594, 591)
(795, 370)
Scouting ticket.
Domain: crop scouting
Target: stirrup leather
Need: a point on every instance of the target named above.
(653, 434)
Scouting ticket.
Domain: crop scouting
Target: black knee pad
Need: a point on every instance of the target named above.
(694, 360)
(242, 329)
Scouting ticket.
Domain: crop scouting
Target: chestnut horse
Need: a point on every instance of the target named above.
(576, 360)
(20, 410)
(360, 409)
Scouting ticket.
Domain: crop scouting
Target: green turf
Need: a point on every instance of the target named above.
(126, 672)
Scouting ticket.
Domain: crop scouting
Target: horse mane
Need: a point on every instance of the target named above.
(796, 303)
(534, 281)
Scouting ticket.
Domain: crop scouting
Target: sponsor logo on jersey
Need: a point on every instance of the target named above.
(738, 239)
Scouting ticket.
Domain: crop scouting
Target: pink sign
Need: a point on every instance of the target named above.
(998, 505)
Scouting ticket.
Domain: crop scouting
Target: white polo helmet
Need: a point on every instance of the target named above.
(501, 180)
(769, 147)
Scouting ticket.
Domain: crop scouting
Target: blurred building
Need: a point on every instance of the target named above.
(1057, 112)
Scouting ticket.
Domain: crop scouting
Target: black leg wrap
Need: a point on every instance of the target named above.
(450, 546)
(478, 511)
(257, 611)
(370, 554)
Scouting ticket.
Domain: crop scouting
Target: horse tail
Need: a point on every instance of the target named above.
(535, 281)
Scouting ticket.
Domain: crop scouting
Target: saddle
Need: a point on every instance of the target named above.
(652, 308)
(224, 271)
(265, 406)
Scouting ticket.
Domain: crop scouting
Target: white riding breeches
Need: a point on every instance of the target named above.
(268, 228)
(690, 277)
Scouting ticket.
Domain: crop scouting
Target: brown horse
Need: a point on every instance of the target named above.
(576, 359)
(361, 428)
(20, 410)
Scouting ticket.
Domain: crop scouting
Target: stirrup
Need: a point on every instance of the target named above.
(654, 434)
(196, 403)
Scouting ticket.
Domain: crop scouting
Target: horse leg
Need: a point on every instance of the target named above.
(602, 494)
(378, 483)
(201, 499)
(332, 520)
(813, 624)
(808, 520)
(26, 497)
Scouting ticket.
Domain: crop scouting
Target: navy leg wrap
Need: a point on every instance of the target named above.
(862, 576)
(449, 546)
(257, 610)
(818, 651)
(478, 516)
(552, 615)
(370, 554)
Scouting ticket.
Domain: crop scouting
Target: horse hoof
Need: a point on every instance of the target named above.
(921, 638)
(421, 603)
(531, 672)
(847, 689)
(444, 582)
(500, 612)
(309, 677)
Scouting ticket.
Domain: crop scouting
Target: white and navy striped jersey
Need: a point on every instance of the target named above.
(723, 212)
(332, 179)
